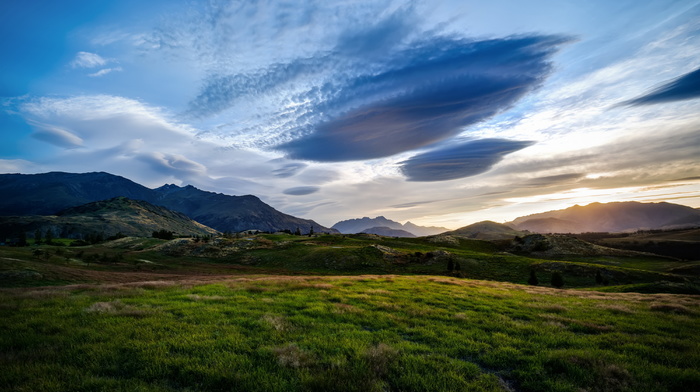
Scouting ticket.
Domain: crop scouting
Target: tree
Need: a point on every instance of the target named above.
(48, 237)
(450, 265)
(22, 239)
(458, 267)
(311, 231)
(557, 279)
(37, 237)
(533, 281)
(298, 231)
(598, 277)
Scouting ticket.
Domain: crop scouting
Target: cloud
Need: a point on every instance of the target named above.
(428, 93)
(57, 136)
(289, 169)
(88, 60)
(682, 88)
(105, 71)
(555, 179)
(301, 190)
(459, 161)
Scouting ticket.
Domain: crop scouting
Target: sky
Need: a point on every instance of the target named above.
(436, 112)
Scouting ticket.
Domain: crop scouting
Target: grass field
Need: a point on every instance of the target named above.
(339, 313)
(365, 333)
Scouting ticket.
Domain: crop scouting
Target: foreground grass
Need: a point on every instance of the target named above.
(366, 333)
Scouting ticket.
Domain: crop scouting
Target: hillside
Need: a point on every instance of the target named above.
(358, 225)
(388, 232)
(610, 217)
(486, 230)
(48, 193)
(107, 218)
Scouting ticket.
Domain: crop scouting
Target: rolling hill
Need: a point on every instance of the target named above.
(486, 230)
(107, 218)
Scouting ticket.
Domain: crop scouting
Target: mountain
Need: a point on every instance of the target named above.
(486, 230)
(611, 217)
(48, 193)
(352, 226)
(388, 232)
(108, 217)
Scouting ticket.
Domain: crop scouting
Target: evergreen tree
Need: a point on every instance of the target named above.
(450, 265)
(557, 279)
(298, 231)
(598, 277)
(533, 278)
(48, 237)
(311, 231)
(22, 239)
(37, 237)
(458, 267)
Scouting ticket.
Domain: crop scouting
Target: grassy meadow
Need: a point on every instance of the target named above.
(339, 313)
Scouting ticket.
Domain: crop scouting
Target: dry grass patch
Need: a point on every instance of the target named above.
(670, 308)
(117, 308)
(460, 316)
(279, 323)
(379, 357)
(616, 308)
(292, 356)
(377, 291)
(197, 297)
(341, 308)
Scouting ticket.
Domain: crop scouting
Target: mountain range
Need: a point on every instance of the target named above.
(107, 218)
(486, 230)
(611, 217)
(49, 193)
(360, 225)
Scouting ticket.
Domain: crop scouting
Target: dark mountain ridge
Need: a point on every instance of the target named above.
(49, 193)
(358, 225)
(611, 217)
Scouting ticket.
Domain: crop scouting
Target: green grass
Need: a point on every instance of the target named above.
(365, 333)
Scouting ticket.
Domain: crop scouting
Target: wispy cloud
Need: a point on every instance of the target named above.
(105, 71)
(88, 60)
(682, 88)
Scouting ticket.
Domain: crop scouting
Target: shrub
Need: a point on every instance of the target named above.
(533, 279)
(557, 279)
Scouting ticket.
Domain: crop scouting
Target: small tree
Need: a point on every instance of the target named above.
(311, 231)
(37, 237)
(297, 232)
(598, 277)
(533, 278)
(557, 279)
(48, 237)
(22, 239)
(450, 265)
(458, 267)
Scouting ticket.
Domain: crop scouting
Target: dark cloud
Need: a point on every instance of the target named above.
(301, 190)
(463, 160)
(687, 179)
(550, 180)
(682, 88)
(426, 94)
(289, 169)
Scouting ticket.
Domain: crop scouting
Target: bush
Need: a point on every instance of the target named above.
(557, 279)
(533, 279)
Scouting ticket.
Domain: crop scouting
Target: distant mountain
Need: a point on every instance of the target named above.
(48, 193)
(108, 217)
(388, 232)
(352, 226)
(487, 230)
(611, 217)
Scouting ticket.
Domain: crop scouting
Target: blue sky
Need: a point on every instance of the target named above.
(438, 112)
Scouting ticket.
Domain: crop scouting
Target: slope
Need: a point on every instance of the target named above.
(107, 218)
